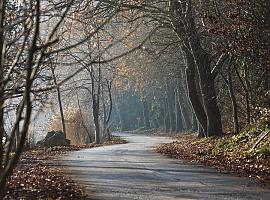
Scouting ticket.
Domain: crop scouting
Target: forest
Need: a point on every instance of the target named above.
(82, 70)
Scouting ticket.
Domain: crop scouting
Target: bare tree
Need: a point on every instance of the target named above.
(24, 47)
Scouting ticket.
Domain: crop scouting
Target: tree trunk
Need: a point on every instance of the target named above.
(96, 92)
(123, 118)
(193, 92)
(178, 114)
(96, 118)
(207, 85)
(170, 104)
(81, 115)
(59, 102)
(233, 102)
(146, 114)
(195, 126)
(202, 63)
(184, 106)
(167, 121)
(109, 87)
(96, 102)
(2, 92)
(234, 108)
(246, 96)
(200, 131)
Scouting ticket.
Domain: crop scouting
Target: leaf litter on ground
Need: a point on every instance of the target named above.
(232, 153)
(38, 177)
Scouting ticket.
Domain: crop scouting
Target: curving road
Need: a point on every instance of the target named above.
(134, 171)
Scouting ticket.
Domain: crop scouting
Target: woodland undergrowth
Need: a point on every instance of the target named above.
(38, 177)
(231, 153)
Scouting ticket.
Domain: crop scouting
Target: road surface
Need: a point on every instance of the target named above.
(133, 171)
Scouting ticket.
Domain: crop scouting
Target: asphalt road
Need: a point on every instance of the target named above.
(134, 171)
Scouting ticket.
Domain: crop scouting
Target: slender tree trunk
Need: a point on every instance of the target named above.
(233, 101)
(96, 92)
(104, 115)
(170, 104)
(194, 122)
(96, 102)
(167, 121)
(122, 119)
(234, 108)
(59, 102)
(96, 118)
(246, 96)
(161, 118)
(17, 135)
(146, 114)
(122, 116)
(178, 114)
(104, 112)
(25, 109)
(229, 83)
(61, 111)
(84, 125)
(184, 106)
(109, 87)
(200, 131)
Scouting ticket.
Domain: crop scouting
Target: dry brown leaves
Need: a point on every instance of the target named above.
(226, 154)
(38, 181)
(36, 178)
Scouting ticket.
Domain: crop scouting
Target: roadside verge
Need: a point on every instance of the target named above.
(230, 154)
(38, 176)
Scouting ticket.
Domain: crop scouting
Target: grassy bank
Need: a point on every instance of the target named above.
(234, 154)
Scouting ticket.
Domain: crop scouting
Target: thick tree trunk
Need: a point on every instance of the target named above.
(202, 61)
(193, 92)
(207, 85)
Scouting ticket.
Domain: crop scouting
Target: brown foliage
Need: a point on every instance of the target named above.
(230, 153)
(76, 124)
(37, 177)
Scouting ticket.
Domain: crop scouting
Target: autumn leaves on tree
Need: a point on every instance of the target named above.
(174, 65)
(203, 65)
